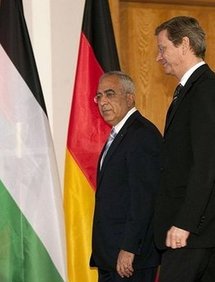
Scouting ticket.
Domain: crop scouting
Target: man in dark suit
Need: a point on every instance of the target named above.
(185, 208)
(128, 179)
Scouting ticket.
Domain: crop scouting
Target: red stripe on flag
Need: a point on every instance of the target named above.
(84, 142)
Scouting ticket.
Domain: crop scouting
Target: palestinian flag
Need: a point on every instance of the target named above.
(86, 135)
(31, 209)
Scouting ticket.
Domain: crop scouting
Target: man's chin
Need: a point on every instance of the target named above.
(106, 116)
(108, 120)
(167, 70)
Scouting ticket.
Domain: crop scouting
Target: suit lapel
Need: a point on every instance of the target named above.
(116, 142)
(174, 110)
(197, 73)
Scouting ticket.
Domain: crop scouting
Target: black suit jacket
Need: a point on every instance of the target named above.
(126, 187)
(187, 194)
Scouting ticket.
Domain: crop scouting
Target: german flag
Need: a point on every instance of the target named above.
(87, 133)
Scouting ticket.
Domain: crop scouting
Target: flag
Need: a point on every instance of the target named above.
(31, 205)
(86, 135)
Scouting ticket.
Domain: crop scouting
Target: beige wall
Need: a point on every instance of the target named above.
(134, 23)
(54, 27)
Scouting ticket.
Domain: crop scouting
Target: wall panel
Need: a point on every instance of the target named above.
(134, 24)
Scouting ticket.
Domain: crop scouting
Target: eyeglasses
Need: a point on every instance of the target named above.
(108, 94)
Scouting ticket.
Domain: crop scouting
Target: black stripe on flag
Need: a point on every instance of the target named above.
(97, 27)
(15, 40)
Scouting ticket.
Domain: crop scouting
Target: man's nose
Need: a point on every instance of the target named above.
(159, 57)
(103, 99)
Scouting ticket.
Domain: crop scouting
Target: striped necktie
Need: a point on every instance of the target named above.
(177, 93)
(175, 99)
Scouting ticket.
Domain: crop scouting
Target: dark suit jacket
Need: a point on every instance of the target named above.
(126, 188)
(187, 194)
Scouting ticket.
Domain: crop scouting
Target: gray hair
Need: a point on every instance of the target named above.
(181, 26)
(126, 81)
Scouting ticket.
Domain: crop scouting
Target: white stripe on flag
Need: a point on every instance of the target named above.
(27, 164)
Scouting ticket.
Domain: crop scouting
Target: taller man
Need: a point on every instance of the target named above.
(185, 210)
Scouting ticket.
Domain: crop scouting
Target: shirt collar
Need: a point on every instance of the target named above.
(187, 74)
(122, 122)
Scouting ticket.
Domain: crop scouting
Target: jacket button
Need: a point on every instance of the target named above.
(202, 219)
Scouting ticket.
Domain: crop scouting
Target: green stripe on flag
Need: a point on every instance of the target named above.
(23, 257)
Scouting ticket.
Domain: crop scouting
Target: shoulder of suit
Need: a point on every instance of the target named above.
(141, 122)
(205, 69)
(200, 74)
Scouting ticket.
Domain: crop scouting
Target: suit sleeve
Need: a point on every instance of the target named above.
(143, 169)
(201, 186)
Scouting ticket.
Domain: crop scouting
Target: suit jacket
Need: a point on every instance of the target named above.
(126, 188)
(187, 195)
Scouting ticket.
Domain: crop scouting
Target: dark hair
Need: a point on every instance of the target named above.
(181, 26)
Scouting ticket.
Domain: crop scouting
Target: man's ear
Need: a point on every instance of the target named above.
(185, 44)
(130, 99)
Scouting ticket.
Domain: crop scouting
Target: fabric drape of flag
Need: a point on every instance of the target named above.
(86, 134)
(31, 206)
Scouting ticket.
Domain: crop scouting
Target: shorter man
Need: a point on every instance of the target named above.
(127, 181)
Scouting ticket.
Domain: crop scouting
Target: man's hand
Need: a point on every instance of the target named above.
(176, 237)
(124, 264)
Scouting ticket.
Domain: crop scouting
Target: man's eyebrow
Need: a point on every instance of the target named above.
(109, 90)
(106, 91)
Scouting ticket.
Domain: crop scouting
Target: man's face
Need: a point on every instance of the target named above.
(169, 56)
(113, 103)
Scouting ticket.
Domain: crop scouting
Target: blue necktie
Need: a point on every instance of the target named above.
(107, 146)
